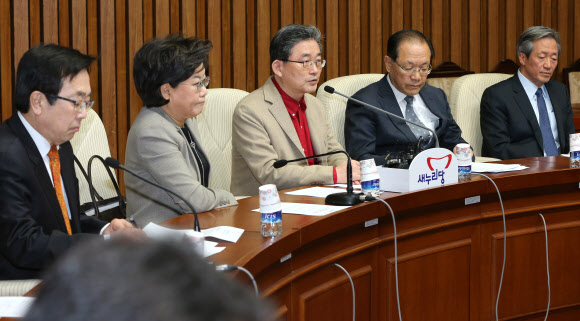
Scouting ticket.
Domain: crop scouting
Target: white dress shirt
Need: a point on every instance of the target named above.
(43, 147)
(423, 113)
(530, 89)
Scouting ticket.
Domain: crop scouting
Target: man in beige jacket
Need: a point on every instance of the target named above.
(281, 120)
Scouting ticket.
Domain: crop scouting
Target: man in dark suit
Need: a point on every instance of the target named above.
(372, 134)
(528, 115)
(39, 199)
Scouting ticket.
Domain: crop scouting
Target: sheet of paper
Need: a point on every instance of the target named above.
(158, 232)
(495, 168)
(355, 186)
(226, 233)
(14, 306)
(211, 251)
(308, 209)
(321, 192)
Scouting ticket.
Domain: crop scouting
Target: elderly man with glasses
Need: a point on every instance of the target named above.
(372, 134)
(39, 197)
(281, 120)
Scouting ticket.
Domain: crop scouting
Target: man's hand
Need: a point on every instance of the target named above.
(124, 229)
(341, 172)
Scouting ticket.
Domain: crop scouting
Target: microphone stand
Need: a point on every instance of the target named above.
(331, 90)
(348, 198)
(111, 162)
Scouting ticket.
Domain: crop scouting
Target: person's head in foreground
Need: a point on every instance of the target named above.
(145, 281)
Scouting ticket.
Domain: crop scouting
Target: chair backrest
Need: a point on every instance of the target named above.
(215, 127)
(90, 140)
(464, 102)
(571, 76)
(574, 83)
(506, 66)
(445, 74)
(17, 287)
(336, 105)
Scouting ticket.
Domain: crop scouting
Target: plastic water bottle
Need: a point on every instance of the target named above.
(271, 209)
(574, 150)
(463, 154)
(370, 184)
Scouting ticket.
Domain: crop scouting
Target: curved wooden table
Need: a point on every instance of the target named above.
(449, 253)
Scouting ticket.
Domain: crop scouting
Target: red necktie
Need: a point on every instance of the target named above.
(55, 169)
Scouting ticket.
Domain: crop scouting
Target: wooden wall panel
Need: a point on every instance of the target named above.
(475, 34)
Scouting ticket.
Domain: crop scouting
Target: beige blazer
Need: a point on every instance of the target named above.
(158, 151)
(262, 133)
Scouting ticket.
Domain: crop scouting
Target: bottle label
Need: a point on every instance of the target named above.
(464, 169)
(275, 217)
(368, 186)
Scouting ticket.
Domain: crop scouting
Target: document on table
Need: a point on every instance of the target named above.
(308, 209)
(14, 306)
(226, 233)
(210, 248)
(495, 168)
(321, 192)
(354, 186)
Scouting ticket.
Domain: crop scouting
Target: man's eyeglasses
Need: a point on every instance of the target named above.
(410, 70)
(309, 63)
(78, 105)
(199, 85)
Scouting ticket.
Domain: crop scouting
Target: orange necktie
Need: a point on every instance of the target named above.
(55, 169)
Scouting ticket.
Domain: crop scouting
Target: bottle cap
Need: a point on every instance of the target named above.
(269, 199)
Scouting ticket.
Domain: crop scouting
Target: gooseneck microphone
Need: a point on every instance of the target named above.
(111, 162)
(348, 198)
(331, 90)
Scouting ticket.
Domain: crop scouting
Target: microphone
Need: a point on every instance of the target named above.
(331, 90)
(348, 198)
(111, 162)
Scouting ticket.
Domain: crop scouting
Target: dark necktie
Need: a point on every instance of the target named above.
(548, 138)
(410, 115)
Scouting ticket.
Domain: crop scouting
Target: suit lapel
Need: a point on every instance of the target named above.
(280, 113)
(523, 103)
(40, 171)
(388, 102)
(70, 184)
(559, 104)
(317, 137)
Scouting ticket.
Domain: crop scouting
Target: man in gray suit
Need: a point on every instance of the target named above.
(281, 120)
(372, 134)
(528, 115)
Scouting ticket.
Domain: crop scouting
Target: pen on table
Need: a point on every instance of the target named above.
(132, 221)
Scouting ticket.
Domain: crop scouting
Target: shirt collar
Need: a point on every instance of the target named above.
(291, 104)
(399, 96)
(41, 143)
(529, 86)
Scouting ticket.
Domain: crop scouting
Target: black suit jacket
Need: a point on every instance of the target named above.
(32, 228)
(370, 133)
(509, 126)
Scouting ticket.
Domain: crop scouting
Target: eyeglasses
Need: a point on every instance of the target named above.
(78, 105)
(411, 70)
(203, 83)
(309, 63)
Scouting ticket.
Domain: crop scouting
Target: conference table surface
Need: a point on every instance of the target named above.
(302, 229)
(428, 221)
(449, 250)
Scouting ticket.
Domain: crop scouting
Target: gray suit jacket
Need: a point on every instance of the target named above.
(158, 151)
(262, 133)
